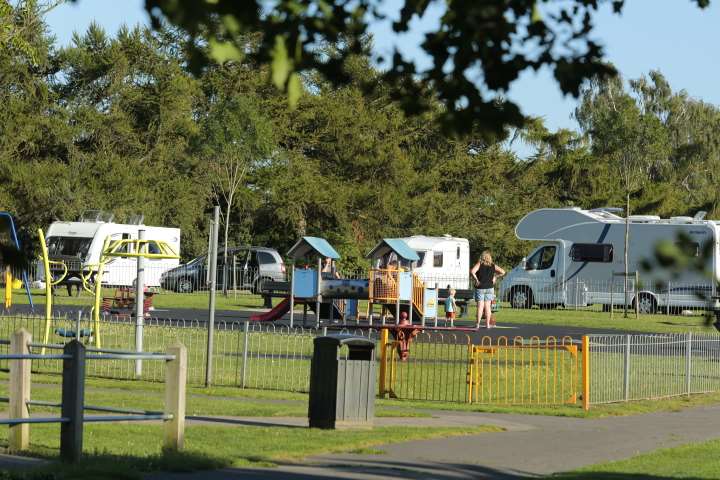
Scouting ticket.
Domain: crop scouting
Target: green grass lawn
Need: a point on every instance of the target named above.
(597, 319)
(693, 461)
(242, 300)
(673, 404)
(233, 401)
(216, 401)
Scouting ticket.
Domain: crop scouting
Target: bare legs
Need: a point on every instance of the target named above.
(487, 307)
(484, 307)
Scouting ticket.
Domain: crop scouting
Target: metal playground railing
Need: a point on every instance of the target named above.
(639, 367)
(455, 367)
(447, 366)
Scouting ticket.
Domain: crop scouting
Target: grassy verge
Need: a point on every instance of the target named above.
(197, 300)
(596, 319)
(223, 401)
(693, 461)
(571, 410)
(231, 401)
(127, 451)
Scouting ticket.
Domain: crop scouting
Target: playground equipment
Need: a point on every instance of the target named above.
(9, 240)
(329, 297)
(394, 286)
(310, 286)
(134, 248)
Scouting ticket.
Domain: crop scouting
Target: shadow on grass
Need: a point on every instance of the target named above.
(236, 421)
(108, 466)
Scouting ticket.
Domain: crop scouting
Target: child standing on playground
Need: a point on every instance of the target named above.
(484, 273)
(450, 308)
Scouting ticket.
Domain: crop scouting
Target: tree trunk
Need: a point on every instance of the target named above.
(225, 248)
(627, 246)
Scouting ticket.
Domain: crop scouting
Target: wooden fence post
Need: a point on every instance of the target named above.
(19, 435)
(73, 401)
(175, 380)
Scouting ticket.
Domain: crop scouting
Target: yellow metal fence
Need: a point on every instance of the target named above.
(499, 371)
(523, 371)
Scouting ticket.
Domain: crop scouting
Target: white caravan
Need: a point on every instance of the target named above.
(79, 244)
(443, 260)
(580, 260)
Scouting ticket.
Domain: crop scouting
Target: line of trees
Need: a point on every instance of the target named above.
(121, 123)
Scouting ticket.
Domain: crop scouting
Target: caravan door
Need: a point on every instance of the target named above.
(543, 274)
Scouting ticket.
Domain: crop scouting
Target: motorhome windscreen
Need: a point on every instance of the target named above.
(592, 252)
(542, 259)
(69, 246)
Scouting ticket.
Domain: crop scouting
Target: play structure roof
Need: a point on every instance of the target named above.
(312, 245)
(396, 245)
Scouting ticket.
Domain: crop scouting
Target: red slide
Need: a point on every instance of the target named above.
(275, 314)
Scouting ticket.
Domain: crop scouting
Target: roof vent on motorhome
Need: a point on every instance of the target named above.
(681, 219)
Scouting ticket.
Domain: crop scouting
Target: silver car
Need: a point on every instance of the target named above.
(246, 269)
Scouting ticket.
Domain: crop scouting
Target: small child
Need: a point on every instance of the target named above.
(450, 308)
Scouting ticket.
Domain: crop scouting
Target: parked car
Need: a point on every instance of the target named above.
(246, 269)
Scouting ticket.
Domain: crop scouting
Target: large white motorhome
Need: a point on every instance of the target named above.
(580, 260)
(79, 244)
(444, 261)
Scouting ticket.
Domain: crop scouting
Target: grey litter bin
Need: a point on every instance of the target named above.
(342, 384)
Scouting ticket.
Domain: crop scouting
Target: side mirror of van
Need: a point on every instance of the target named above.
(523, 263)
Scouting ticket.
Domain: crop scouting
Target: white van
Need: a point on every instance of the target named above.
(580, 260)
(79, 244)
(444, 261)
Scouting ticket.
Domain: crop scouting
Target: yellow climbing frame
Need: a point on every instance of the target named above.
(49, 284)
(111, 248)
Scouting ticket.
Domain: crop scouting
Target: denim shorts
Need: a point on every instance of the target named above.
(484, 294)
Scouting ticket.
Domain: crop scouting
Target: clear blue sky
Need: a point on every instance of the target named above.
(673, 36)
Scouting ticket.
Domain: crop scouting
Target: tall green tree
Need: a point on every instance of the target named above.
(237, 138)
(477, 49)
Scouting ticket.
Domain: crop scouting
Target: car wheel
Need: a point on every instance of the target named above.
(521, 297)
(646, 304)
(184, 285)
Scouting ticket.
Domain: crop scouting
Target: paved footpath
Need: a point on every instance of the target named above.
(530, 446)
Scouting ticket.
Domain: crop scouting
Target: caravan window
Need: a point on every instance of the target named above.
(68, 246)
(458, 253)
(437, 259)
(592, 252)
(542, 259)
(421, 259)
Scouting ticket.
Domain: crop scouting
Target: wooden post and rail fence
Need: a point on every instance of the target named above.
(72, 415)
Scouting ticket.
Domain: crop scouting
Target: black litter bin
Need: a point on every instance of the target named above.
(342, 382)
